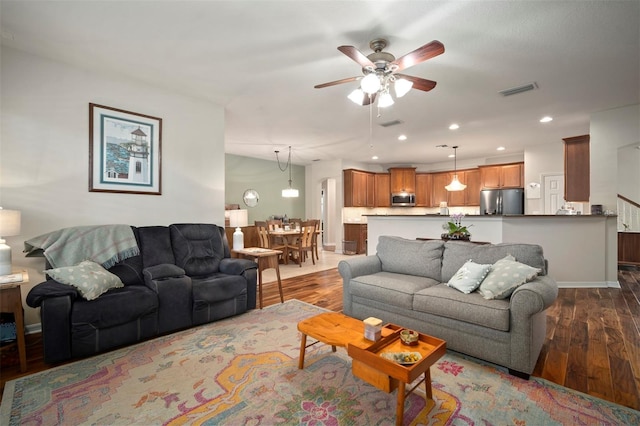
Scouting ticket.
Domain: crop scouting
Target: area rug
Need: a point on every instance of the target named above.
(244, 371)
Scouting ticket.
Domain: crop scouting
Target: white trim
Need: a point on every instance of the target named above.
(587, 284)
(33, 328)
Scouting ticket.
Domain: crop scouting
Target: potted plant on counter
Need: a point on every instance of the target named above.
(455, 230)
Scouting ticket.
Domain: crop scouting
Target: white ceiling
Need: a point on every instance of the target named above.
(261, 59)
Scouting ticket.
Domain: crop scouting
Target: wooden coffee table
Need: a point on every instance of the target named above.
(336, 329)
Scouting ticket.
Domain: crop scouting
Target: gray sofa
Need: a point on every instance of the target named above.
(404, 283)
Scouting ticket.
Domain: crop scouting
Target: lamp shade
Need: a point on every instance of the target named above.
(455, 184)
(385, 100)
(9, 223)
(238, 218)
(370, 84)
(290, 193)
(402, 87)
(357, 97)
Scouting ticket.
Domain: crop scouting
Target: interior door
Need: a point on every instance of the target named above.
(553, 193)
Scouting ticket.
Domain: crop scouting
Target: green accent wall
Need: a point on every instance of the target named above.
(242, 173)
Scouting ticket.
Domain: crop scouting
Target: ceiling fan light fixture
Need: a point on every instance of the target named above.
(370, 84)
(385, 100)
(357, 97)
(402, 87)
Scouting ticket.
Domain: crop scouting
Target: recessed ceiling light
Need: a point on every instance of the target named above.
(451, 155)
(454, 126)
(375, 157)
(500, 148)
(546, 119)
(402, 137)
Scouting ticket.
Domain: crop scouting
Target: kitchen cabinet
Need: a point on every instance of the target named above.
(382, 196)
(502, 176)
(359, 188)
(576, 169)
(472, 191)
(423, 190)
(438, 192)
(403, 179)
(356, 232)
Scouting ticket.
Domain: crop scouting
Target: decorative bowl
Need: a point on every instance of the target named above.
(409, 337)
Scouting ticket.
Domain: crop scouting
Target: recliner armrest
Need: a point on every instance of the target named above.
(49, 289)
(233, 266)
(162, 271)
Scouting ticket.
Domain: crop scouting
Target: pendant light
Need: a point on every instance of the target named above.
(455, 184)
(289, 192)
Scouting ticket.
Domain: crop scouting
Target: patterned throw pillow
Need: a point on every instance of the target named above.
(505, 276)
(88, 277)
(469, 277)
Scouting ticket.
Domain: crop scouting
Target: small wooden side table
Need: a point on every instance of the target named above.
(266, 258)
(11, 301)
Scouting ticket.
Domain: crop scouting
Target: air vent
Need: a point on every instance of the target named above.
(519, 89)
(391, 123)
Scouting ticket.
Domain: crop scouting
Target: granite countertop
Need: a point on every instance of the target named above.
(511, 216)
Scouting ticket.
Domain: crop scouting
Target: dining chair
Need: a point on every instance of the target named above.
(314, 242)
(304, 242)
(266, 241)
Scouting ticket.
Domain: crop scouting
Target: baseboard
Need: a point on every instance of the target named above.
(33, 328)
(588, 284)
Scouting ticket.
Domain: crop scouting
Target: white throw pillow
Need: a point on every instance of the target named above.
(469, 277)
(505, 276)
(88, 277)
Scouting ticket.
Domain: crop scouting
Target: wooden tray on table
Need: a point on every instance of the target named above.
(369, 364)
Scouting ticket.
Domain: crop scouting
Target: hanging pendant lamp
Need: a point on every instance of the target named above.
(455, 184)
(289, 192)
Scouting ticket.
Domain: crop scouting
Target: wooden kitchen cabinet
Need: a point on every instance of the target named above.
(502, 176)
(356, 232)
(403, 179)
(423, 190)
(382, 196)
(438, 192)
(359, 188)
(576, 169)
(472, 191)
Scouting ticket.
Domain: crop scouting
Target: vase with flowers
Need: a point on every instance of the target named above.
(455, 230)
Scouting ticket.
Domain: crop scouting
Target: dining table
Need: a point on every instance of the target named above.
(288, 237)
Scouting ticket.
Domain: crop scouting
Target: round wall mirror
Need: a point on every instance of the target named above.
(250, 197)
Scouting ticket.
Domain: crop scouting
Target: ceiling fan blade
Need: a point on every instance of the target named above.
(418, 83)
(421, 54)
(369, 99)
(333, 83)
(357, 56)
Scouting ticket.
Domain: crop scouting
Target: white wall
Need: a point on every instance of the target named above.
(44, 153)
(540, 160)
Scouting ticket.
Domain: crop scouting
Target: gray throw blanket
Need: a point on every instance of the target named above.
(104, 244)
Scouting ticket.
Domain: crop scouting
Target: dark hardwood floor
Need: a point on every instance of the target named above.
(592, 345)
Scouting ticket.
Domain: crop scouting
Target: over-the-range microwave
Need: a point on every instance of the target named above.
(403, 199)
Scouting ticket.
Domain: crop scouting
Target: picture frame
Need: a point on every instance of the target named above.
(125, 151)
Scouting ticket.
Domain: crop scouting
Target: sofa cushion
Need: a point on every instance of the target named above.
(198, 248)
(505, 276)
(456, 253)
(155, 245)
(447, 302)
(403, 256)
(118, 306)
(387, 287)
(89, 278)
(217, 287)
(469, 277)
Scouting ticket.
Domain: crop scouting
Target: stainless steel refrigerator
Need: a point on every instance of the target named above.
(502, 201)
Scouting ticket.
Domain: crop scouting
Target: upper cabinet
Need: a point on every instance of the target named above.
(438, 192)
(359, 188)
(382, 190)
(423, 189)
(470, 196)
(403, 179)
(502, 176)
(576, 169)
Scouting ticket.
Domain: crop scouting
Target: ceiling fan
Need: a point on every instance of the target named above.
(380, 70)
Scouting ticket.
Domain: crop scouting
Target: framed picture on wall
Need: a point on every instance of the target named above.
(124, 151)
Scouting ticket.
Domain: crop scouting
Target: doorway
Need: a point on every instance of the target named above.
(553, 187)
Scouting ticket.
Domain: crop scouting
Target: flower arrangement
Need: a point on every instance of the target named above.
(455, 230)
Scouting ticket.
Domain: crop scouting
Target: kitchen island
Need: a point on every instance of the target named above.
(581, 249)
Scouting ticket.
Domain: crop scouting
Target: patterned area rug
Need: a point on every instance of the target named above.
(244, 371)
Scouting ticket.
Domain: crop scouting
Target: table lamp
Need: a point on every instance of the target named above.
(237, 219)
(9, 227)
